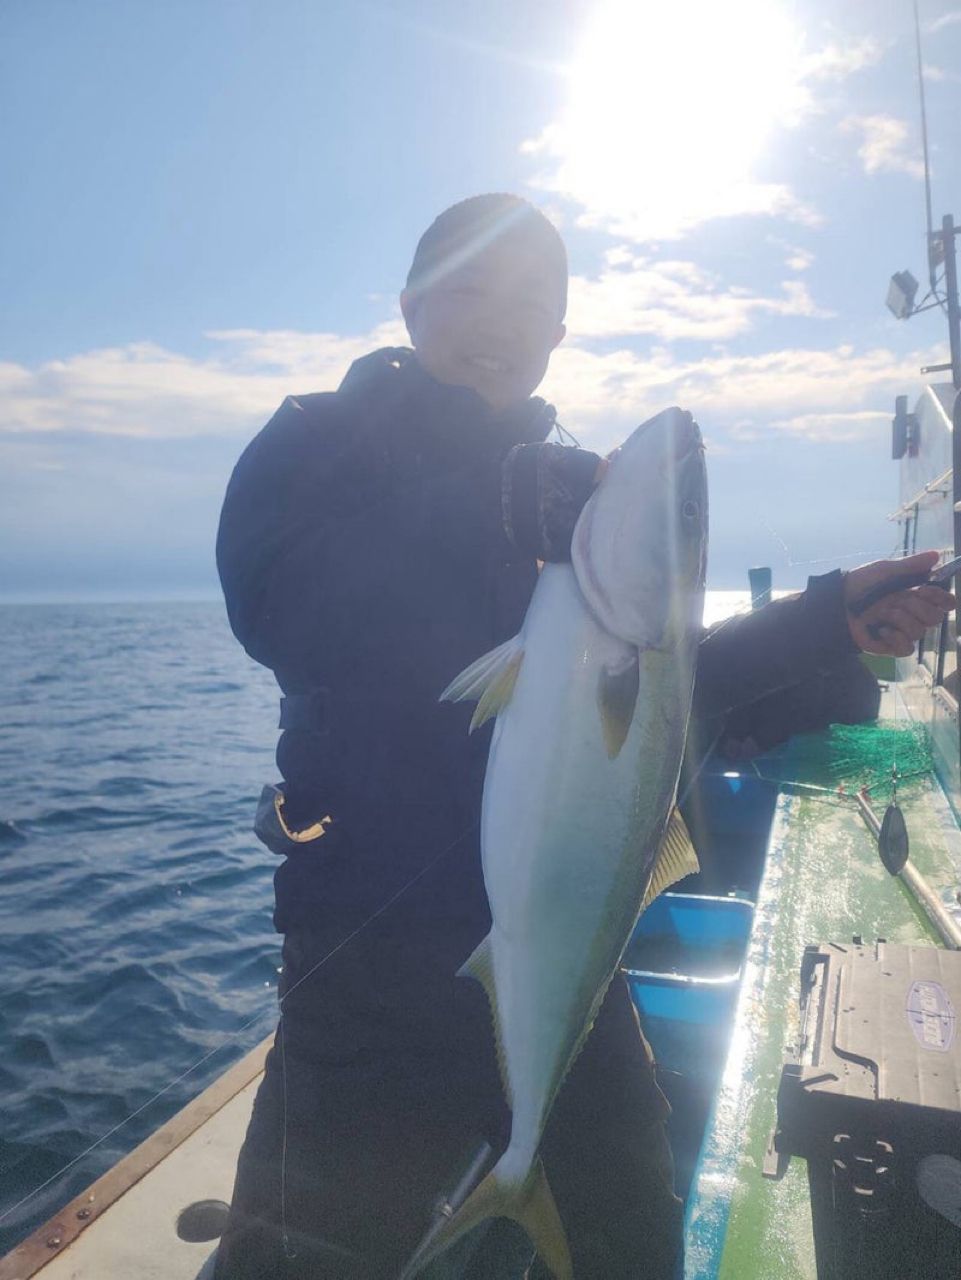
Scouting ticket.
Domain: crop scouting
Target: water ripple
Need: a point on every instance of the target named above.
(135, 932)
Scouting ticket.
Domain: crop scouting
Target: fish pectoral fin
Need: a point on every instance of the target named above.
(479, 965)
(490, 680)
(676, 858)
(616, 699)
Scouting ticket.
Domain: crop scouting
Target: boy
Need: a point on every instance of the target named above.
(374, 542)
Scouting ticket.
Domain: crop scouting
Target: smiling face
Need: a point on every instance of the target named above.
(489, 322)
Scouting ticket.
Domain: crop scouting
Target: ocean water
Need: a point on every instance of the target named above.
(135, 932)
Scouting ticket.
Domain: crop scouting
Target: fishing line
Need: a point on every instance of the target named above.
(231, 1036)
(563, 434)
(289, 1253)
(896, 553)
(133, 1115)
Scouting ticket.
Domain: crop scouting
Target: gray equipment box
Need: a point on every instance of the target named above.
(873, 1104)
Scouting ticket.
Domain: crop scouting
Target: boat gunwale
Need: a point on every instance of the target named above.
(66, 1225)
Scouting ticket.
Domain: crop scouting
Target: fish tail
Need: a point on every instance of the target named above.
(528, 1200)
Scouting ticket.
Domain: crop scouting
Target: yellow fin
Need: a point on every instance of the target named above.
(676, 858)
(617, 698)
(534, 1208)
(537, 1214)
(490, 680)
(479, 965)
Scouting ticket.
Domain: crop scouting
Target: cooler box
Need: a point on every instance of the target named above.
(873, 1104)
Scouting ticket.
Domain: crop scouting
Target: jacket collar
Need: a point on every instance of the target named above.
(393, 378)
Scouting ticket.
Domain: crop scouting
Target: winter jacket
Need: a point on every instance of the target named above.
(374, 542)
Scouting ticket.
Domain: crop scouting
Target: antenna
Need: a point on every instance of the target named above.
(932, 252)
(903, 288)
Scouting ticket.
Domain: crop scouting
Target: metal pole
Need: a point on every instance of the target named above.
(951, 289)
(956, 459)
(932, 269)
(917, 886)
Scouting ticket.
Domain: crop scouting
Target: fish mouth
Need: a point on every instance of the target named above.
(687, 438)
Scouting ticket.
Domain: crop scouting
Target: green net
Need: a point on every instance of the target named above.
(851, 756)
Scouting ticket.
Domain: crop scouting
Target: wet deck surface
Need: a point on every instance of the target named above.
(823, 882)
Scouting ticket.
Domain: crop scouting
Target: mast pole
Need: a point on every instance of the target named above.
(932, 261)
(948, 233)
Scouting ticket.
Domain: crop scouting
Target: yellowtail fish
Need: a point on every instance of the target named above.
(578, 827)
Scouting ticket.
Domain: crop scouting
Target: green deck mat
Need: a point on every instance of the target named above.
(824, 882)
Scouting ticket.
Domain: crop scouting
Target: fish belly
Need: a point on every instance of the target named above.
(569, 836)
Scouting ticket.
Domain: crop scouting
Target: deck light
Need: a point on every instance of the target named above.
(901, 294)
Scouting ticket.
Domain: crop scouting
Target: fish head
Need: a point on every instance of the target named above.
(639, 549)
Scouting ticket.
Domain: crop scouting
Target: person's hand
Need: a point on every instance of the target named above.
(895, 624)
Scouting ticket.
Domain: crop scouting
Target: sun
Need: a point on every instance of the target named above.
(670, 107)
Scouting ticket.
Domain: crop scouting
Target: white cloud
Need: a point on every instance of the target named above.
(658, 215)
(948, 19)
(884, 145)
(673, 300)
(835, 61)
(841, 428)
(322, 356)
(835, 395)
(938, 75)
(144, 390)
(799, 260)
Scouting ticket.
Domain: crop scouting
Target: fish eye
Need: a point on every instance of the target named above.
(689, 511)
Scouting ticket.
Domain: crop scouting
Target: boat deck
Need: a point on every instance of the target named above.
(125, 1223)
(823, 882)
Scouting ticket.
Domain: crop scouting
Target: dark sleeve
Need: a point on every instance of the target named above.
(847, 695)
(785, 643)
(305, 552)
(272, 528)
(544, 489)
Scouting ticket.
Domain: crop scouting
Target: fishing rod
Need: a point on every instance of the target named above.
(892, 837)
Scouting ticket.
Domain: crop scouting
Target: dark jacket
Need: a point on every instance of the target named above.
(373, 543)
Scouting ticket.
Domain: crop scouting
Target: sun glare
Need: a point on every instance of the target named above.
(670, 108)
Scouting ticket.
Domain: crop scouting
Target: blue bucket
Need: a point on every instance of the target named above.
(683, 966)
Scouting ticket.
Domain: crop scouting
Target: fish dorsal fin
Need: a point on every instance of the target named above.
(676, 858)
(616, 698)
(479, 965)
(490, 680)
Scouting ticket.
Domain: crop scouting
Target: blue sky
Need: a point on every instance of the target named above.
(208, 205)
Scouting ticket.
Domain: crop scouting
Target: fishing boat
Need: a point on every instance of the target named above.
(826, 1028)
(789, 864)
(714, 969)
(732, 975)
